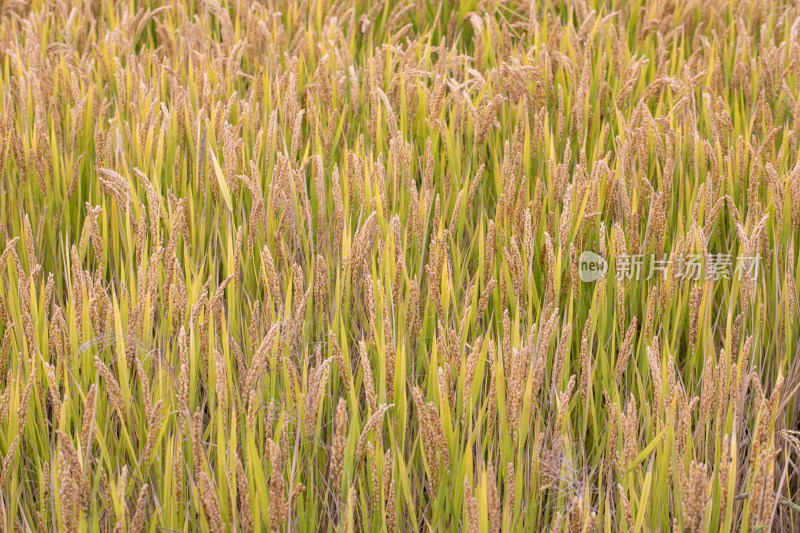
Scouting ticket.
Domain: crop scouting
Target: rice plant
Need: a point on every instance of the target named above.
(399, 265)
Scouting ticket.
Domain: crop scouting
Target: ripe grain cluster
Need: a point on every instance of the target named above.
(315, 265)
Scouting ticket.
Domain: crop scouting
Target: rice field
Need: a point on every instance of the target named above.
(399, 265)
